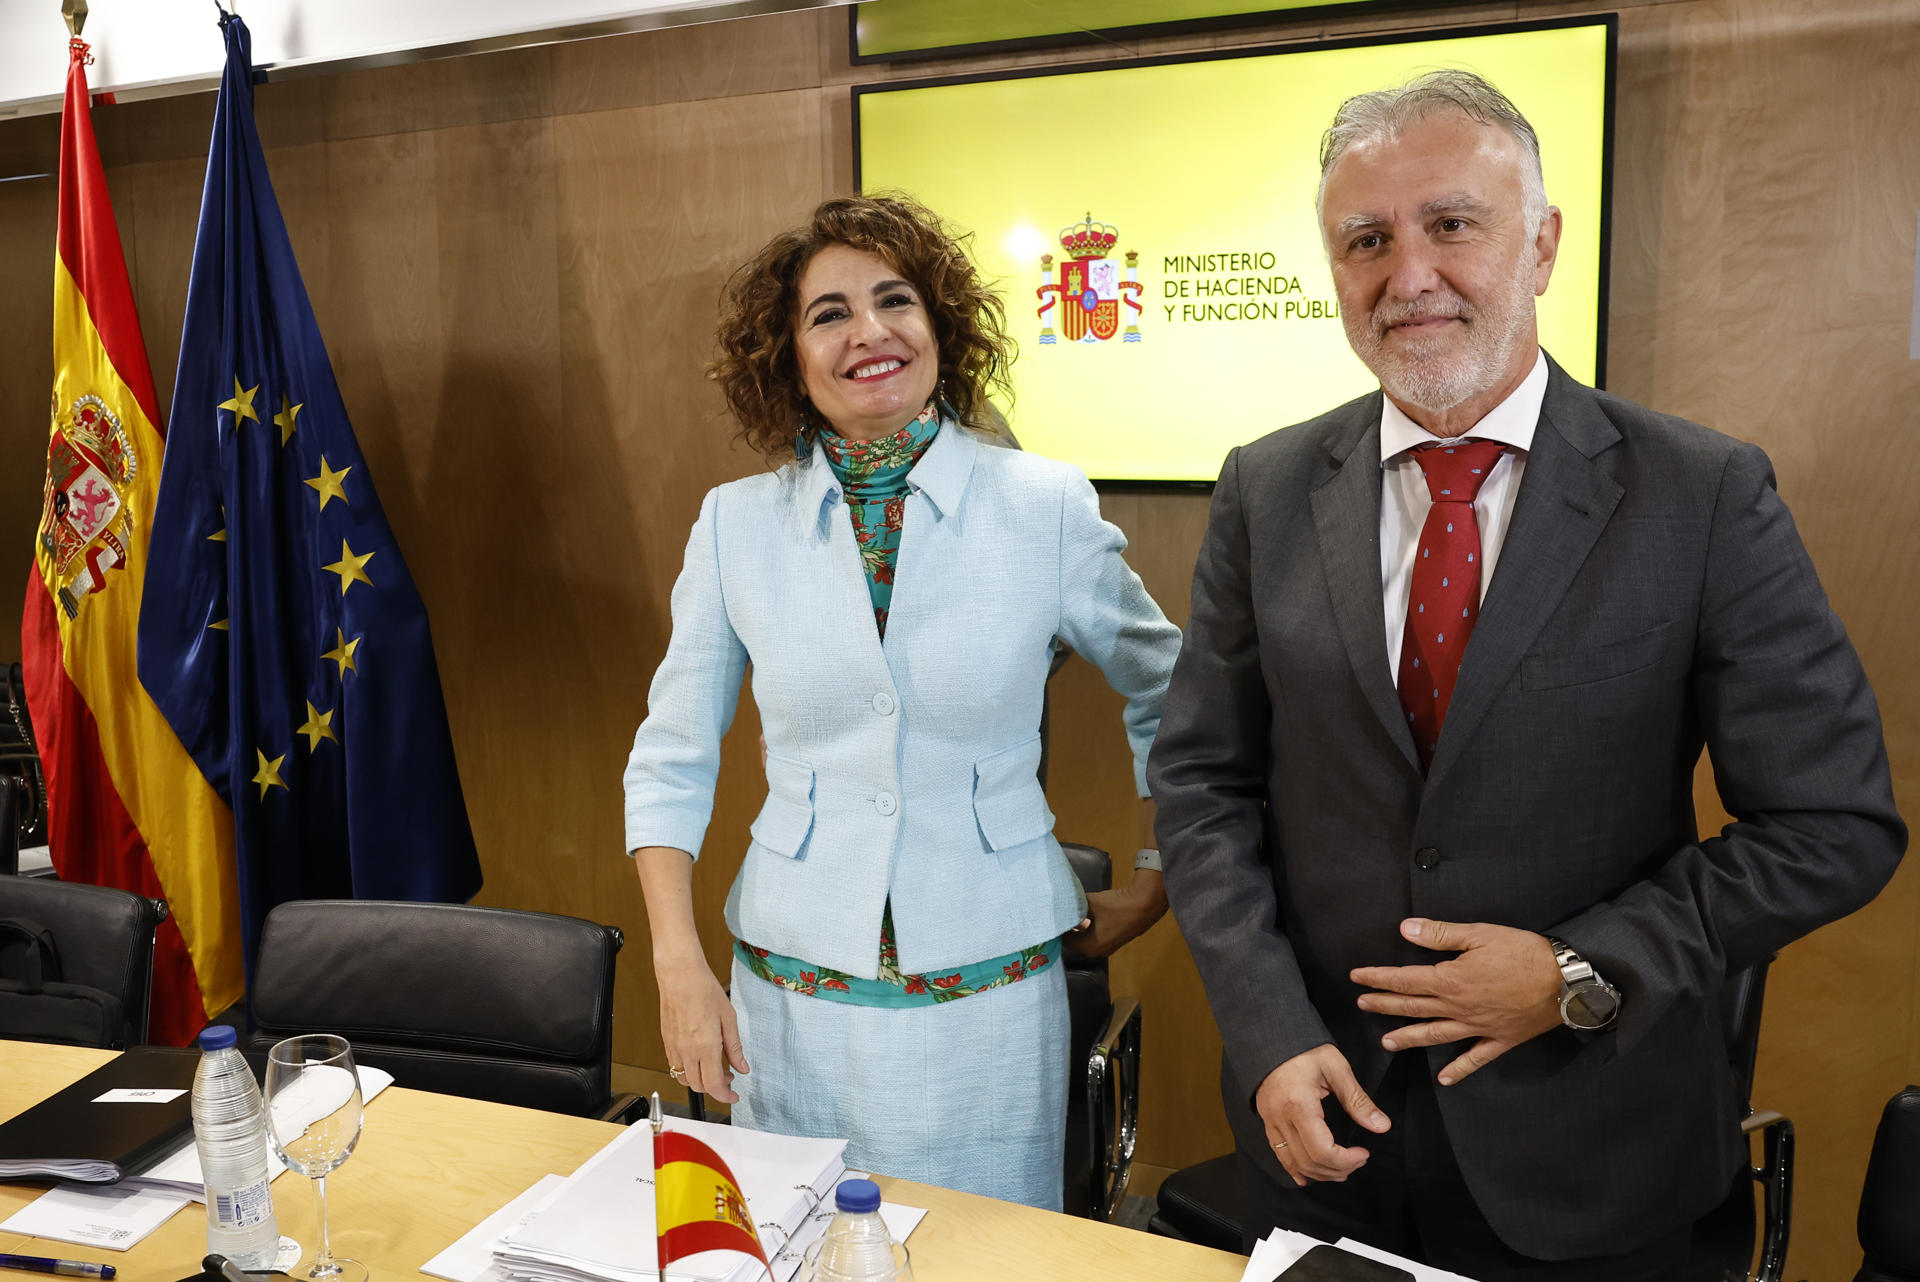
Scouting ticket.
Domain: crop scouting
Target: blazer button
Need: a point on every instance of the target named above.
(883, 704)
(885, 803)
(1427, 857)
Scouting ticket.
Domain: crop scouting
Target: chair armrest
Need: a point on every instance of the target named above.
(1113, 1106)
(625, 1109)
(1775, 1177)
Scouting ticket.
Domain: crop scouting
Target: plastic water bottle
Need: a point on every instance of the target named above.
(230, 1132)
(857, 1247)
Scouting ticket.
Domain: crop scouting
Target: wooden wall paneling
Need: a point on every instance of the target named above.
(482, 513)
(443, 93)
(1668, 179)
(658, 206)
(166, 196)
(683, 64)
(29, 147)
(1777, 315)
(29, 208)
(383, 313)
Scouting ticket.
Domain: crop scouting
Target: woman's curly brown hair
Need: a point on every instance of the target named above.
(757, 369)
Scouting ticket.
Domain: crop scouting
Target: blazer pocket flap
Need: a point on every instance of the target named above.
(787, 817)
(1595, 663)
(1007, 798)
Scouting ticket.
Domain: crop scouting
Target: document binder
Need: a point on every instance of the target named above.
(70, 1135)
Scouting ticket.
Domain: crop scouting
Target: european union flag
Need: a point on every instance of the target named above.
(280, 632)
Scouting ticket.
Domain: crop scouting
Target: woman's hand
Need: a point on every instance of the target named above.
(697, 1024)
(696, 1019)
(1116, 916)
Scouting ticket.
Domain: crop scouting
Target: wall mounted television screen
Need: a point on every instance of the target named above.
(1151, 227)
(880, 30)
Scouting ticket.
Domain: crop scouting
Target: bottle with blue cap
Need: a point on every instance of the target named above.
(230, 1133)
(857, 1247)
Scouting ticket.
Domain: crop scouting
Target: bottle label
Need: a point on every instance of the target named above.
(242, 1208)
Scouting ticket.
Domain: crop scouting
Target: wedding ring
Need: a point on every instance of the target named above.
(1277, 1147)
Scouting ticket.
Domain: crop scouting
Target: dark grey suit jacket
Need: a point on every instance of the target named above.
(1652, 596)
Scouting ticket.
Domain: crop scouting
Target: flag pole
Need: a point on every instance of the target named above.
(75, 12)
(657, 1120)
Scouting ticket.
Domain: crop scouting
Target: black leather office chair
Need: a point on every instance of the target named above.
(1724, 1245)
(488, 1003)
(1200, 1203)
(10, 791)
(1889, 1223)
(1103, 1083)
(104, 938)
(20, 762)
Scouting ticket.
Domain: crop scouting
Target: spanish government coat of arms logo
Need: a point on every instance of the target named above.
(85, 521)
(1087, 294)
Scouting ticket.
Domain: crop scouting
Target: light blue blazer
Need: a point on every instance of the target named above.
(905, 769)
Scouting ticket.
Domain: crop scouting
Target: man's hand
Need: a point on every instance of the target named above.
(1289, 1103)
(1503, 989)
(1116, 916)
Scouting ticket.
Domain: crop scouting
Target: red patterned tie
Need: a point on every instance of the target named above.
(1445, 596)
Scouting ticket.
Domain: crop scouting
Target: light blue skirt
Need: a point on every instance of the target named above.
(968, 1095)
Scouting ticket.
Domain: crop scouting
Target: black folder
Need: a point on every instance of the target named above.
(69, 1136)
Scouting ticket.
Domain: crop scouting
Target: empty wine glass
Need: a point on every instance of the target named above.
(313, 1120)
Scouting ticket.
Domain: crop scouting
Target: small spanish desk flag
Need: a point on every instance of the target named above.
(281, 633)
(126, 805)
(698, 1206)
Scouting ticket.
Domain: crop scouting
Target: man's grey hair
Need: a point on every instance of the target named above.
(1382, 114)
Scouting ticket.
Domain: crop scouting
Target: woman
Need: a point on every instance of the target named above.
(896, 586)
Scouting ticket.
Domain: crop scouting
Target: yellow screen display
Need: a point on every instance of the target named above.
(1152, 230)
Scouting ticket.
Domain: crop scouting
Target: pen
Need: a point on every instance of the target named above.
(70, 1268)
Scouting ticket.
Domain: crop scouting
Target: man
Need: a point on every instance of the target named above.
(1426, 762)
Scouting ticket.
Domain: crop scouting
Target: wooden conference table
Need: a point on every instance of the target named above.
(429, 1167)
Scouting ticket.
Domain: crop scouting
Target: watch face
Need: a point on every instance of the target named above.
(1589, 1006)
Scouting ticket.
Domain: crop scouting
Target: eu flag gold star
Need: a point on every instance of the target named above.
(286, 416)
(220, 626)
(268, 776)
(242, 403)
(327, 484)
(342, 652)
(319, 726)
(349, 567)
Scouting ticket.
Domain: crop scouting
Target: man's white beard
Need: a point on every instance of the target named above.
(1420, 372)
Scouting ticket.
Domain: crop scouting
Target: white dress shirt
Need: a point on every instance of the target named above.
(1404, 501)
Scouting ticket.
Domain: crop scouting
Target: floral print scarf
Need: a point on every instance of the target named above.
(873, 476)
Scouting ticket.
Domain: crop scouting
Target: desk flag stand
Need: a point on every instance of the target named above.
(698, 1205)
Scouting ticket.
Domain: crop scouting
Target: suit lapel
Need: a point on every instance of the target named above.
(824, 526)
(1565, 502)
(935, 487)
(1346, 517)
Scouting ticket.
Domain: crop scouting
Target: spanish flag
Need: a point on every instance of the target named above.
(698, 1206)
(127, 806)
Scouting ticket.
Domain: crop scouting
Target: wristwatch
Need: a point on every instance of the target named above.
(1148, 858)
(1588, 1003)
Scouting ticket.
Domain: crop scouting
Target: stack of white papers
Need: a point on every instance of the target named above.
(599, 1226)
(472, 1259)
(1280, 1250)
